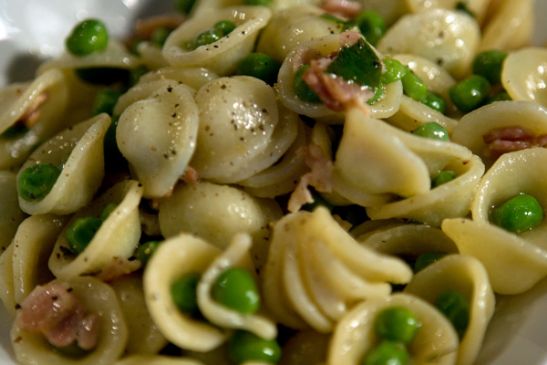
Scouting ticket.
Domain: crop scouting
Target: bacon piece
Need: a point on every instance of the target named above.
(30, 117)
(345, 8)
(191, 175)
(145, 27)
(55, 312)
(320, 177)
(510, 139)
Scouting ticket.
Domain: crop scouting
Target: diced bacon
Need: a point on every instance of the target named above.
(191, 176)
(510, 139)
(33, 111)
(118, 267)
(55, 312)
(145, 27)
(508, 134)
(345, 8)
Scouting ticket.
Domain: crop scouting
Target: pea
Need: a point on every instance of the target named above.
(455, 307)
(88, 36)
(426, 259)
(414, 87)
(470, 93)
(432, 130)
(387, 353)
(183, 292)
(379, 93)
(372, 25)
(435, 101)
(443, 177)
(257, 2)
(261, 66)
(36, 181)
(236, 289)
(207, 37)
(501, 96)
(397, 324)
(105, 101)
(394, 71)
(185, 6)
(159, 36)
(224, 27)
(146, 250)
(80, 233)
(107, 211)
(488, 64)
(301, 89)
(521, 213)
(246, 347)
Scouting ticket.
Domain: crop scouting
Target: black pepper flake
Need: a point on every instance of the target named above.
(242, 139)
(223, 86)
(17, 306)
(55, 298)
(215, 46)
(169, 89)
(69, 290)
(166, 156)
(440, 61)
(177, 105)
(441, 34)
(207, 128)
(174, 115)
(18, 339)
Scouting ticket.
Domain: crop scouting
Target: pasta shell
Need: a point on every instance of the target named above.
(478, 7)
(390, 10)
(192, 77)
(156, 360)
(6, 280)
(11, 215)
(510, 26)
(524, 75)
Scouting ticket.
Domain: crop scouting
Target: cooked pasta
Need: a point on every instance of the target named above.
(257, 182)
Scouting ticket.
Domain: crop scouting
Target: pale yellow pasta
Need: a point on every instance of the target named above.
(79, 152)
(156, 360)
(477, 7)
(11, 214)
(147, 88)
(390, 10)
(510, 26)
(192, 77)
(97, 297)
(467, 276)
(436, 341)
(151, 55)
(524, 75)
(6, 280)
(412, 114)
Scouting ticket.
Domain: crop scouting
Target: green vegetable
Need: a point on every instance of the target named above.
(15, 131)
(456, 308)
(489, 64)
(224, 27)
(378, 95)
(36, 181)
(107, 211)
(372, 25)
(394, 71)
(521, 213)
(245, 347)
(159, 36)
(470, 93)
(301, 89)
(414, 87)
(146, 250)
(219, 30)
(105, 101)
(185, 6)
(261, 66)
(236, 289)
(397, 324)
(80, 233)
(432, 130)
(183, 292)
(387, 353)
(426, 259)
(103, 75)
(443, 177)
(257, 2)
(87, 37)
(435, 101)
(501, 96)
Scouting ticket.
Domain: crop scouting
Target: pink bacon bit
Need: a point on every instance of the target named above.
(345, 8)
(55, 312)
(510, 139)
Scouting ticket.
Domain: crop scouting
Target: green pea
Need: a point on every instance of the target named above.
(379, 93)
(102, 75)
(261, 66)
(521, 213)
(426, 259)
(372, 25)
(225, 27)
(435, 101)
(397, 324)
(394, 71)
(159, 36)
(107, 211)
(501, 96)
(245, 347)
(15, 131)
(387, 353)
(80, 233)
(146, 250)
(443, 177)
(414, 87)
(88, 36)
(207, 37)
(470, 93)
(257, 2)
(36, 181)
(185, 6)
(488, 64)
(432, 130)
(455, 307)
(105, 101)
(183, 292)
(301, 88)
(236, 289)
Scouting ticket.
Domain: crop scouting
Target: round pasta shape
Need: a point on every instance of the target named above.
(449, 200)
(325, 47)
(39, 106)
(196, 209)
(477, 7)
(115, 240)
(242, 129)
(144, 336)
(235, 255)
(510, 26)
(316, 271)
(98, 298)
(151, 55)
(474, 126)
(195, 78)
(435, 343)
(11, 214)
(223, 55)
(156, 360)
(524, 75)
(174, 258)
(79, 151)
(467, 276)
(158, 137)
(447, 37)
(390, 10)
(6, 280)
